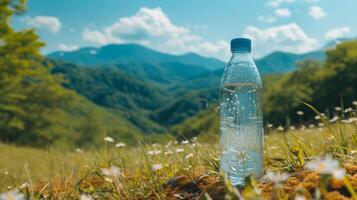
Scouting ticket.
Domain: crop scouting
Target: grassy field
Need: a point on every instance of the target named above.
(189, 169)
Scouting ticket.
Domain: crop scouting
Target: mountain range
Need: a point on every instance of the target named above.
(151, 90)
(134, 54)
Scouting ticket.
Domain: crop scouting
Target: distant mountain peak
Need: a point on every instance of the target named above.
(132, 53)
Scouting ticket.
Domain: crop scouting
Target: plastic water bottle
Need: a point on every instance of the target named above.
(241, 115)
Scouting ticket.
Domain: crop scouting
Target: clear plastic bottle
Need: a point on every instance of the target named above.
(241, 115)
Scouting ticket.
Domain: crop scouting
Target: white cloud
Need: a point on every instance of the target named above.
(289, 37)
(337, 33)
(52, 24)
(317, 12)
(267, 19)
(153, 28)
(64, 47)
(283, 12)
(276, 3)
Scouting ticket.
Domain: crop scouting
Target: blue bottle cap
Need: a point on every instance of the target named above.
(241, 45)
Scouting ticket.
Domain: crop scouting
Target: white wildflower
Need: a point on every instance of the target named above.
(86, 197)
(300, 197)
(185, 142)
(109, 139)
(334, 119)
(300, 112)
(292, 128)
(156, 167)
(154, 152)
(349, 109)
(321, 124)
(168, 144)
(24, 185)
(179, 150)
(311, 126)
(270, 125)
(111, 172)
(276, 178)
(346, 121)
(326, 165)
(353, 151)
(120, 144)
(354, 103)
(353, 119)
(190, 155)
(338, 108)
(12, 195)
(317, 117)
(168, 152)
(78, 150)
(280, 128)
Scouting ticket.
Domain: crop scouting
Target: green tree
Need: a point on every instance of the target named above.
(29, 94)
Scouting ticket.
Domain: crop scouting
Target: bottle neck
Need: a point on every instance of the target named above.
(241, 56)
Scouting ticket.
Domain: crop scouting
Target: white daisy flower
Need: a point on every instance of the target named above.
(168, 144)
(300, 112)
(78, 150)
(334, 119)
(154, 152)
(168, 152)
(109, 139)
(280, 128)
(326, 165)
(317, 117)
(179, 150)
(111, 172)
(346, 121)
(353, 152)
(349, 109)
(190, 155)
(86, 197)
(276, 178)
(24, 185)
(338, 108)
(120, 144)
(12, 195)
(353, 119)
(156, 167)
(185, 142)
(300, 197)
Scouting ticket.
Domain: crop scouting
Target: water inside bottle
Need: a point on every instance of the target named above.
(241, 131)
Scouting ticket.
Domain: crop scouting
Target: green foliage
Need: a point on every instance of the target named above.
(29, 93)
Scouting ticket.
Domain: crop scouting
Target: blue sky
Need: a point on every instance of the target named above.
(201, 26)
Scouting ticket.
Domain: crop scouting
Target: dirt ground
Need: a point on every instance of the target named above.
(303, 183)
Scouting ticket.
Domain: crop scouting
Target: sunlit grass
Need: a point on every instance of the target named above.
(121, 172)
